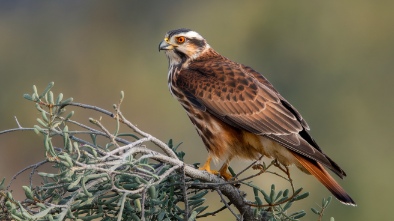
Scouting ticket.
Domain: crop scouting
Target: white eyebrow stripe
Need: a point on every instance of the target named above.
(193, 34)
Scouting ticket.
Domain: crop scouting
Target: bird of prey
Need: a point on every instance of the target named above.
(238, 113)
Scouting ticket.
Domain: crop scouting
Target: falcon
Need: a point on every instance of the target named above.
(238, 113)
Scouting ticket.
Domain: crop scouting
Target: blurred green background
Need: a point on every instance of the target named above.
(333, 60)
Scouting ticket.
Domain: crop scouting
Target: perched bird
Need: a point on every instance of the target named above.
(238, 113)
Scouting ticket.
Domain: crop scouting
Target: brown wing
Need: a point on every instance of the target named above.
(244, 99)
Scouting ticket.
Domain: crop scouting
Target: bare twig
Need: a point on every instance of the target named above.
(34, 166)
(214, 212)
(226, 204)
(15, 129)
(86, 106)
(17, 122)
(156, 141)
(184, 192)
(34, 170)
(143, 196)
(112, 137)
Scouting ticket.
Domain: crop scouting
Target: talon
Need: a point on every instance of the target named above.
(225, 175)
(207, 167)
(223, 172)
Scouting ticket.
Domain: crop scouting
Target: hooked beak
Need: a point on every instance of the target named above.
(164, 45)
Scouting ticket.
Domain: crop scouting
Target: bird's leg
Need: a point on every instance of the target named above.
(223, 170)
(207, 166)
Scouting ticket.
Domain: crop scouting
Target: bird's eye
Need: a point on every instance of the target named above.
(180, 40)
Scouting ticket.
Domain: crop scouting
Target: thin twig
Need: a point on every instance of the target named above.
(184, 193)
(252, 164)
(86, 106)
(92, 131)
(15, 129)
(17, 122)
(112, 137)
(214, 212)
(23, 170)
(34, 170)
(122, 206)
(156, 141)
(226, 204)
(143, 195)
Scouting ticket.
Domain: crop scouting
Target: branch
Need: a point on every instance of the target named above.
(121, 178)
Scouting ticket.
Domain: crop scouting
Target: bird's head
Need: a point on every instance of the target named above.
(182, 45)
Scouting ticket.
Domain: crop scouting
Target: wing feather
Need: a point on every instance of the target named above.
(244, 99)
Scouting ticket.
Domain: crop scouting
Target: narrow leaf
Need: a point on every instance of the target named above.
(50, 85)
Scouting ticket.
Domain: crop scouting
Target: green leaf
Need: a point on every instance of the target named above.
(199, 195)
(69, 116)
(231, 171)
(266, 197)
(302, 196)
(66, 158)
(42, 213)
(258, 200)
(2, 184)
(255, 191)
(287, 206)
(38, 106)
(315, 211)
(299, 214)
(28, 97)
(161, 215)
(50, 85)
(50, 97)
(128, 135)
(121, 95)
(196, 202)
(75, 183)
(278, 195)
(50, 175)
(282, 199)
(29, 194)
(152, 192)
(35, 93)
(327, 202)
(34, 97)
(193, 216)
(272, 193)
(68, 100)
(42, 123)
(44, 117)
(112, 200)
(137, 204)
(59, 98)
(201, 209)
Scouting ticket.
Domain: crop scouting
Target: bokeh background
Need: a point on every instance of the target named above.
(333, 60)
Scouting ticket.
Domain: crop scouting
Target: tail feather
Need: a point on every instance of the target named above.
(318, 171)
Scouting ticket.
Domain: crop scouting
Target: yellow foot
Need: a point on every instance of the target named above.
(222, 172)
(226, 175)
(207, 167)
